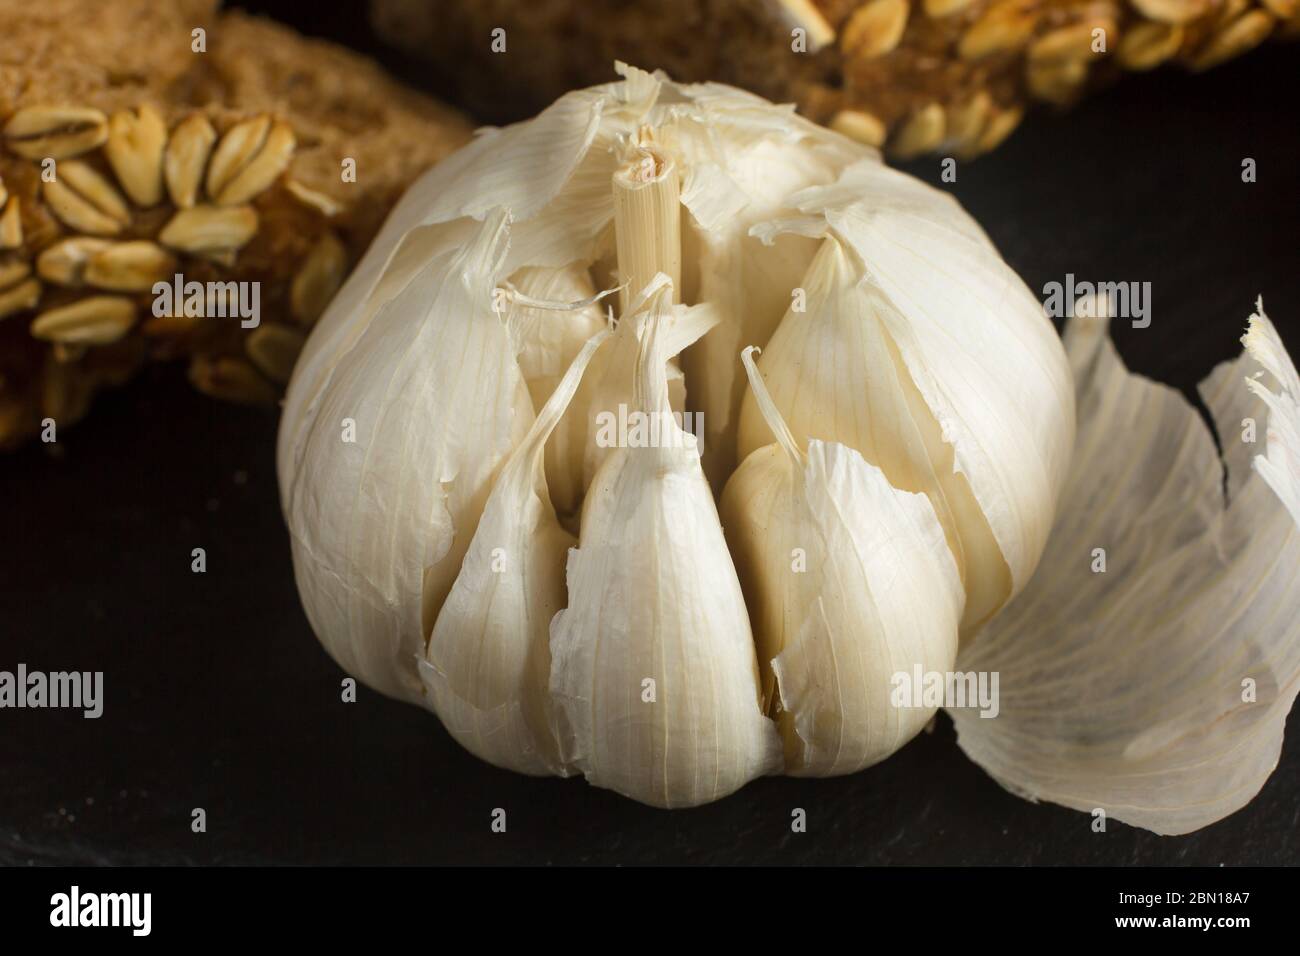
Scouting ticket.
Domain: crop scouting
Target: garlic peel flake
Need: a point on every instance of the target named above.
(1156, 690)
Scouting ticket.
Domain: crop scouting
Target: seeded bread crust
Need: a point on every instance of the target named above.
(322, 104)
(914, 75)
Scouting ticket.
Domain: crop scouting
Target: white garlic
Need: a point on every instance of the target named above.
(911, 435)
(653, 670)
(549, 343)
(849, 581)
(376, 546)
(488, 660)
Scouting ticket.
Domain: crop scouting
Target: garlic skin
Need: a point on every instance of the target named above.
(920, 432)
(849, 582)
(1158, 688)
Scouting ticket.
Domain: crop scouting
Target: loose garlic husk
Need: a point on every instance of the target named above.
(911, 433)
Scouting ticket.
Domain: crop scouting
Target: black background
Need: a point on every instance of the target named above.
(218, 696)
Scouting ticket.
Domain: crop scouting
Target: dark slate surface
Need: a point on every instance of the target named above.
(219, 697)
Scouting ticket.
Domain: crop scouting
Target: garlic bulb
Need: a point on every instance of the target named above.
(505, 511)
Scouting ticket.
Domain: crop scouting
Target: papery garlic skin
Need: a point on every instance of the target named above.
(653, 672)
(1148, 669)
(850, 583)
(488, 661)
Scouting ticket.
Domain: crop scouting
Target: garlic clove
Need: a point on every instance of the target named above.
(488, 662)
(835, 373)
(653, 674)
(854, 365)
(770, 155)
(1148, 669)
(613, 391)
(551, 336)
(394, 260)
(431, 387)
(550, 339)
(850, 583)
(978, 346)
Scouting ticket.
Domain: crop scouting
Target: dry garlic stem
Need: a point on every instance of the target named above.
(647, 227)
(647, 222)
